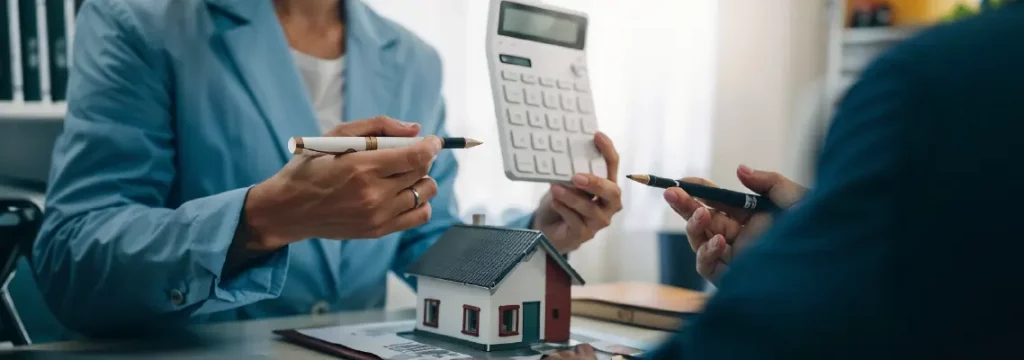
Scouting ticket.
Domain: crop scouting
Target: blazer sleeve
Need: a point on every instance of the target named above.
(825, 276)
(113, 255)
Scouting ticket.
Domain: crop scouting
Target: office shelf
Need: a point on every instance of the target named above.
(866, 36)
(32, 111)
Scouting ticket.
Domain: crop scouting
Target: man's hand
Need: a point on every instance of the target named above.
(581, 352)
(568, 216)
(721, 232)
(358, 195)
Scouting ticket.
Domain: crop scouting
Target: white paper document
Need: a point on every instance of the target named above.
(386, 341)
(382, 339)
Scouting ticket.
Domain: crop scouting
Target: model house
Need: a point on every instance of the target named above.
(494, 288)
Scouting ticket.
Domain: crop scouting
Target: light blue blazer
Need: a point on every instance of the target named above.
(176, 108)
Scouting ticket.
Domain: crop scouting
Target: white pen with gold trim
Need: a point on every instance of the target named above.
(337, 145)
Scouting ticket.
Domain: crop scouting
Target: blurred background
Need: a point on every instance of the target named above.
(683, 87)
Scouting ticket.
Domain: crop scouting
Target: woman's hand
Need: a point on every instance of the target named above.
(568, 216)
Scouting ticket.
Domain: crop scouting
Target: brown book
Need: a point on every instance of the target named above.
(638, 304)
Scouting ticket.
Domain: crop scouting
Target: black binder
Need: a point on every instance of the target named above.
(6, 65)
(31, 59)
(58, 46)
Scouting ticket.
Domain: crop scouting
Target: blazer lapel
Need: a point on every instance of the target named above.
(371, 80)
(255, 43)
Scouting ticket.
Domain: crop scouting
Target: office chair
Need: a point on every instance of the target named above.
(19, 223)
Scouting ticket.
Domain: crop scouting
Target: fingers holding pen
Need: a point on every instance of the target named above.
(416, 158)
(713, 258)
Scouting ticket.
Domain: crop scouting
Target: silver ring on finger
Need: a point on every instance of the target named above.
(415, 197)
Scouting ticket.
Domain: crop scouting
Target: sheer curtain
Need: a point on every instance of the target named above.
(652, 65)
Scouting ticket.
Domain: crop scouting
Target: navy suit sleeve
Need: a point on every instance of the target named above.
(821, 275)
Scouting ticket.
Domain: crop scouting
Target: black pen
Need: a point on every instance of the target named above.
(728, 197)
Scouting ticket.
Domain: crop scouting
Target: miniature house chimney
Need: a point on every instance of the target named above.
(479, 219)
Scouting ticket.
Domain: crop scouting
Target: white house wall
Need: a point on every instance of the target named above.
(453, 296)
(525, 283)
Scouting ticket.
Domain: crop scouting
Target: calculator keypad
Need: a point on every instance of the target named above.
(555, 121)
(550, 124)
(533, 97)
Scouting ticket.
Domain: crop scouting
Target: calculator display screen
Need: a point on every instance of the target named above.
(542, 25)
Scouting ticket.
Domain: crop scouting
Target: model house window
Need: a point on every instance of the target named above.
(470, 320)
(431, 308)
(508, 320)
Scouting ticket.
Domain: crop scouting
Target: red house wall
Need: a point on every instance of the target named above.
(556, 301)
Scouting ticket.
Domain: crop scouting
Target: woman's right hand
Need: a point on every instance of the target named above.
(717, 232)
(359, 195)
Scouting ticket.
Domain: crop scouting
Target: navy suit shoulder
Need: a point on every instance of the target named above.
(907, 246)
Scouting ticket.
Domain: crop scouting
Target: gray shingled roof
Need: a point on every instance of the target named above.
(483, 255)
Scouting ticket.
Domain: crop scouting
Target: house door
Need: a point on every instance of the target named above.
(531, 322)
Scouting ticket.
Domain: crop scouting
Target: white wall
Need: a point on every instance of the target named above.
(771, 59)
(769, 52)
(525, 283)
(452, 297)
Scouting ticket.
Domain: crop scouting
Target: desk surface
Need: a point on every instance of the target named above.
(254, 339)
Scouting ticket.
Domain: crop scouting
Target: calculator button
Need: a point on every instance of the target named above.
(585, 105)
(599, 167)
(529, 79)
(547, 82)
(554, 121)
(524, 162)
(543, 164)
(580, 165)
(536, 118)
(520, 138)
(582, 152)
(533, 97)
(540, 141)
(550, 100)
(572, 123)
(568, 102)
(558, 143)
(579, 69)
(589, 124)
(562, 165)
(513, 94)
(510, 75)
(515, 116)
(582, 86)
(565, 84)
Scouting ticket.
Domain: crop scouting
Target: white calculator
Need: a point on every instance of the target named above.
(537, 59)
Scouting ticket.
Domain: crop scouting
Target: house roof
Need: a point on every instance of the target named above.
(484, 255)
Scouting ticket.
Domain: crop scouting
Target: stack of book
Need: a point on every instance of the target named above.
(651, 306)
(35, 54)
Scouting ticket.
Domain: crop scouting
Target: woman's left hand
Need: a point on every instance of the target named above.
(568, 216)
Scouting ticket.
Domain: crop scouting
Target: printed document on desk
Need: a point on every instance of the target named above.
(396, 341)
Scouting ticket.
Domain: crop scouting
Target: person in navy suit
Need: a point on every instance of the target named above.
(909, 244)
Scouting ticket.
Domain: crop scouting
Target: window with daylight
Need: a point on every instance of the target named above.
(431, 308)
(508, 320)
(470, 320)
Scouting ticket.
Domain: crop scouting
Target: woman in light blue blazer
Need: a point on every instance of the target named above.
(173, 200)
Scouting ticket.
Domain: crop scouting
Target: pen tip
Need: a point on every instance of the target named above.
(473, 143)
(638, 178)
